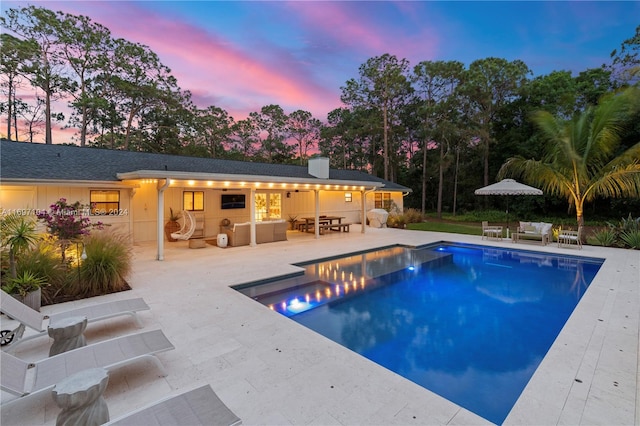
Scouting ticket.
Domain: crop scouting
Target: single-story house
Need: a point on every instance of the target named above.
(133, 191)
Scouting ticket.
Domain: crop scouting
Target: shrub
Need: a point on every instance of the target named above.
(44, 262)
(67, 222)
(413, 216)
(627, 231)
(605, 237)
(24, 283)
(106, 267)
(396, 221)
(631, 239)
(497, 216)
(629, 225)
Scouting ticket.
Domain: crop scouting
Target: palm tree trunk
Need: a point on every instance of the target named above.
(580, 219)
(12, 264)
(10, 111)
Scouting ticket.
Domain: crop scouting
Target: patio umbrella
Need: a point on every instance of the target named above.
(508, 187)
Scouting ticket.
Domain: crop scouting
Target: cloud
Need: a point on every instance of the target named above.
(364, 33)
(213, 68)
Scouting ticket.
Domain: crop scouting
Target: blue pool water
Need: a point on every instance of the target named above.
(469, 323)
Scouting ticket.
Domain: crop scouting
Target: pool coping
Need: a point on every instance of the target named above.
(270, 370)
(513, 248)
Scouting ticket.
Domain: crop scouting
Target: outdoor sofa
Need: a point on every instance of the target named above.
(266, 232)
(535, 232)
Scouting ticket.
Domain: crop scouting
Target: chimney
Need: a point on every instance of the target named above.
(319, 167)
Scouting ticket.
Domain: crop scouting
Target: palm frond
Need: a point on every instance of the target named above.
(629, 157)
(620, 181)
(610, 120)
(539, 174)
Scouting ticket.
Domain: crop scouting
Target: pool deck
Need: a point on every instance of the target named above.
(272, 371)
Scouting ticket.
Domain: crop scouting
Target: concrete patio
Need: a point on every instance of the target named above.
(270, 370)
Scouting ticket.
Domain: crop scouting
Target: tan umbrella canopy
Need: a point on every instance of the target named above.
(508, 187)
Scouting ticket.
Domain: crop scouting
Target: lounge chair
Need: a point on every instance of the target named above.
(22, 378)
(491, 231)
(39, 322)
(188, 227)
(200, 406)
(566, 238)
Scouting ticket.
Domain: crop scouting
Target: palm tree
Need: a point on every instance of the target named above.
(582, 158)
(18, 235)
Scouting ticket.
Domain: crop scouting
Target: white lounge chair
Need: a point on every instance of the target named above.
(39, 322)
(22, 378)
(491, 231)
(200, 406)
(566, 238)
(188, 227)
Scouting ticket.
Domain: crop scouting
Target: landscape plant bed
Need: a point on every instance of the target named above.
(62, 298)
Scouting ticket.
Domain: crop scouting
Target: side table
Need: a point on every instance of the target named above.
(67, 334)
(80, 397)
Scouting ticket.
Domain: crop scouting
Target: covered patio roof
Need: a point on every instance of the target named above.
(39, 164)
(29, 163)
(247, 181)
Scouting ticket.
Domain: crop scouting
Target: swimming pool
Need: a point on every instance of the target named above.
(470, 323)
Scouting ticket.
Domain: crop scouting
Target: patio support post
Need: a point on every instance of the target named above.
(160, 215)
(363, 196)
(132, 192)
(317, 215)
(252, 212)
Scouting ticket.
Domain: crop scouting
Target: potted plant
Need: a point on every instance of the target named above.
(172, 225)
(27, 288)
(292, 221)
(18, 236)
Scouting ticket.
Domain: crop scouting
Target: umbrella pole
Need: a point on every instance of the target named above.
(507, 217)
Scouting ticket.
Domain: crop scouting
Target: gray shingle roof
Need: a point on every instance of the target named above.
(39, 162)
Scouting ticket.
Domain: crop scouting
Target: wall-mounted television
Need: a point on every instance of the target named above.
(232, 201)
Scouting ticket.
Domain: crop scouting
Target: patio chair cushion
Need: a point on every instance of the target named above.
(545, 228)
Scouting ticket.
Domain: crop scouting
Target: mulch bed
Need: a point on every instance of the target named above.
(61, 298)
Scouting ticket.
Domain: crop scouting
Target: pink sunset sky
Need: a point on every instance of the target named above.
(240, 55)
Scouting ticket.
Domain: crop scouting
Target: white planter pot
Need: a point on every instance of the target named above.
(32, 299)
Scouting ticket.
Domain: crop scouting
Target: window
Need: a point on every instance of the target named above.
(383, 200)
(268, 206)
(348, 197)
(275, 206)
(193, 201)
(105, 202)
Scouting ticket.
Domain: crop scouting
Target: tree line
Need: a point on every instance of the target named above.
(439, 127)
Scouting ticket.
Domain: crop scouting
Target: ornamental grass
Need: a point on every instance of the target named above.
(106, 267)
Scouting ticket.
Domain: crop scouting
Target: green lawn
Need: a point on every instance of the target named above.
(454, 228)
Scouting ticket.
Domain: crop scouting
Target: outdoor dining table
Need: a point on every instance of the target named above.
(310, 221)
